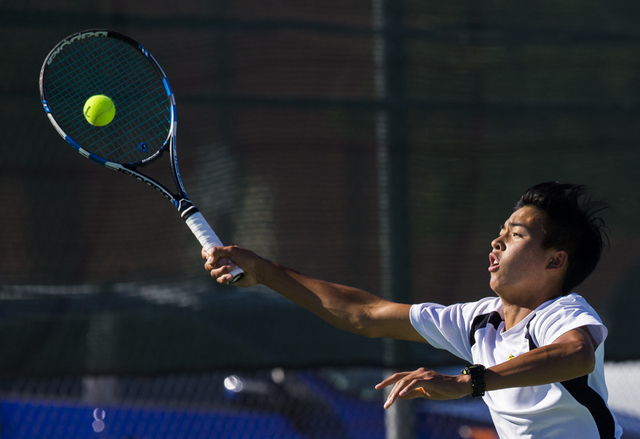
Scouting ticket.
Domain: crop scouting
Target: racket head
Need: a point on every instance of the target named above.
(102, 62)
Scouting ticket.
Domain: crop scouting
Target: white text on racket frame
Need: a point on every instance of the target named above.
(71, 40)
(148, 181)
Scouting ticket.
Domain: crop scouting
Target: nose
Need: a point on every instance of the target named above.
(498, 243)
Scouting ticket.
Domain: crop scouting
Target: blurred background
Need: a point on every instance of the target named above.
(378, 143)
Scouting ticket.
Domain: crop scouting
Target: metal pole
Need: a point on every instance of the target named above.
(392, 188)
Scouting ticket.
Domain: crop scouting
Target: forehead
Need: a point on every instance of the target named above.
(528, 216)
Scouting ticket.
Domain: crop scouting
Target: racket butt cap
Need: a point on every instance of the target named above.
(237, 276)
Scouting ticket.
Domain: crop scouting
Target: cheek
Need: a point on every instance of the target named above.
(520, 262)
(531, 260)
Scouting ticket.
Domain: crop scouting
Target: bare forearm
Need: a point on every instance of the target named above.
(571, 356)
(553, 363)
(344, 307)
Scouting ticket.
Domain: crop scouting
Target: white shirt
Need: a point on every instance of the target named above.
(476, 333)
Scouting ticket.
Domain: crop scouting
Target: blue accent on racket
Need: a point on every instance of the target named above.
(92, 64)
(73, 143)
(97, 159)
(167, 86)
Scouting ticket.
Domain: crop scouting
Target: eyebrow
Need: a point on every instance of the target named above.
(502, 227)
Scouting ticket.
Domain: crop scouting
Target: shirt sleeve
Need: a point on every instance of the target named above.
(447, 327)
(568, 313)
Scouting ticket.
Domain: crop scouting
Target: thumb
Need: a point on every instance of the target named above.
(221, 252)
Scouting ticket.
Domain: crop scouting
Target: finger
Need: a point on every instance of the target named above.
(391, 380)
(219, 252)
(429, 394)
(210, 259)
(221, 267)
(210, 264)
(225, 279)
(213, 263)
(390, 400)
(216, 254)
(414, 389)
(416, 392)
(393, 394)
(419, 393)
(222, 274)
(410, 386)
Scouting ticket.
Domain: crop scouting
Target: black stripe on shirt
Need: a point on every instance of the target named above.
(589, 398)
(527, 335)
(493, 318)
(585, 395)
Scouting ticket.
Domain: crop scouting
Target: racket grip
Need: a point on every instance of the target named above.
(208, 239)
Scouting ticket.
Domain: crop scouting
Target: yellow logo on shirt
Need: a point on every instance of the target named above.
(511, 357)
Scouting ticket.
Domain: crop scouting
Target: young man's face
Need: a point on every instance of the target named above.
(518, 263)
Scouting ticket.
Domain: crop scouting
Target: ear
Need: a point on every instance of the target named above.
(559, 261)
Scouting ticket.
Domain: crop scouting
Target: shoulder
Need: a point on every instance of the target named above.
(570, 306)
(460, 314)
(560, 315)
(571, 298)
(482, 306)
(448, 327)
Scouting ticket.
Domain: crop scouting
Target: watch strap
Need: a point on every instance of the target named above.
(476, 371)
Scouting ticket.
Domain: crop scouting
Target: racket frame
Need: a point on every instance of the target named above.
(188, 211)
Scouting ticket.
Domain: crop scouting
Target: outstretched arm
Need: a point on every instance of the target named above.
(346, 308)
(571, 355)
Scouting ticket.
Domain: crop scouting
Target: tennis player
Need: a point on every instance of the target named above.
(535, 351)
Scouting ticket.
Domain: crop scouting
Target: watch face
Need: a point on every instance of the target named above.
(476, 369)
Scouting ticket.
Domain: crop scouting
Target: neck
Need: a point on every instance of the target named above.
(514, 314)
(516, 310)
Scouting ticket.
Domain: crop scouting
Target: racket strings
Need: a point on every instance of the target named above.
(113, 68)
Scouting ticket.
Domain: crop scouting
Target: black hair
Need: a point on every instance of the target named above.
(572, 224)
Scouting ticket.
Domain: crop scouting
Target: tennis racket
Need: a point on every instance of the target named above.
(101, 62)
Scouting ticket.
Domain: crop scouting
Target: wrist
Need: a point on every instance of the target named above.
(475, 373)
(465, 382)
(266, 272)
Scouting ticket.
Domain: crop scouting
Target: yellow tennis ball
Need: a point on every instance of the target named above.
(99, 110)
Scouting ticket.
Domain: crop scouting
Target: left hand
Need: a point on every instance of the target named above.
(425, 383)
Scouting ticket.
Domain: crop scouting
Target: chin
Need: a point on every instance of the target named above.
(496, 289)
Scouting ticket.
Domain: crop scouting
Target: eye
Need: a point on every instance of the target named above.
(516, 234)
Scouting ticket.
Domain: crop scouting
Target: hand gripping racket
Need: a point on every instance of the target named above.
(101, 62)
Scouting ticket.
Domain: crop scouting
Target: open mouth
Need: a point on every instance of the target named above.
(494, 262)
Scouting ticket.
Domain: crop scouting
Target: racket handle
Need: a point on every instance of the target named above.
(208, 239)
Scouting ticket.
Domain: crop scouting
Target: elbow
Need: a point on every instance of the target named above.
(369, 327)
(366, 327)
(361, 321)
(584, 358)
(356, 322)
(374, 329)
(370, 332)
(590, 361)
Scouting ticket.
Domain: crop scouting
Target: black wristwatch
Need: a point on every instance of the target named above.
(476, 372)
